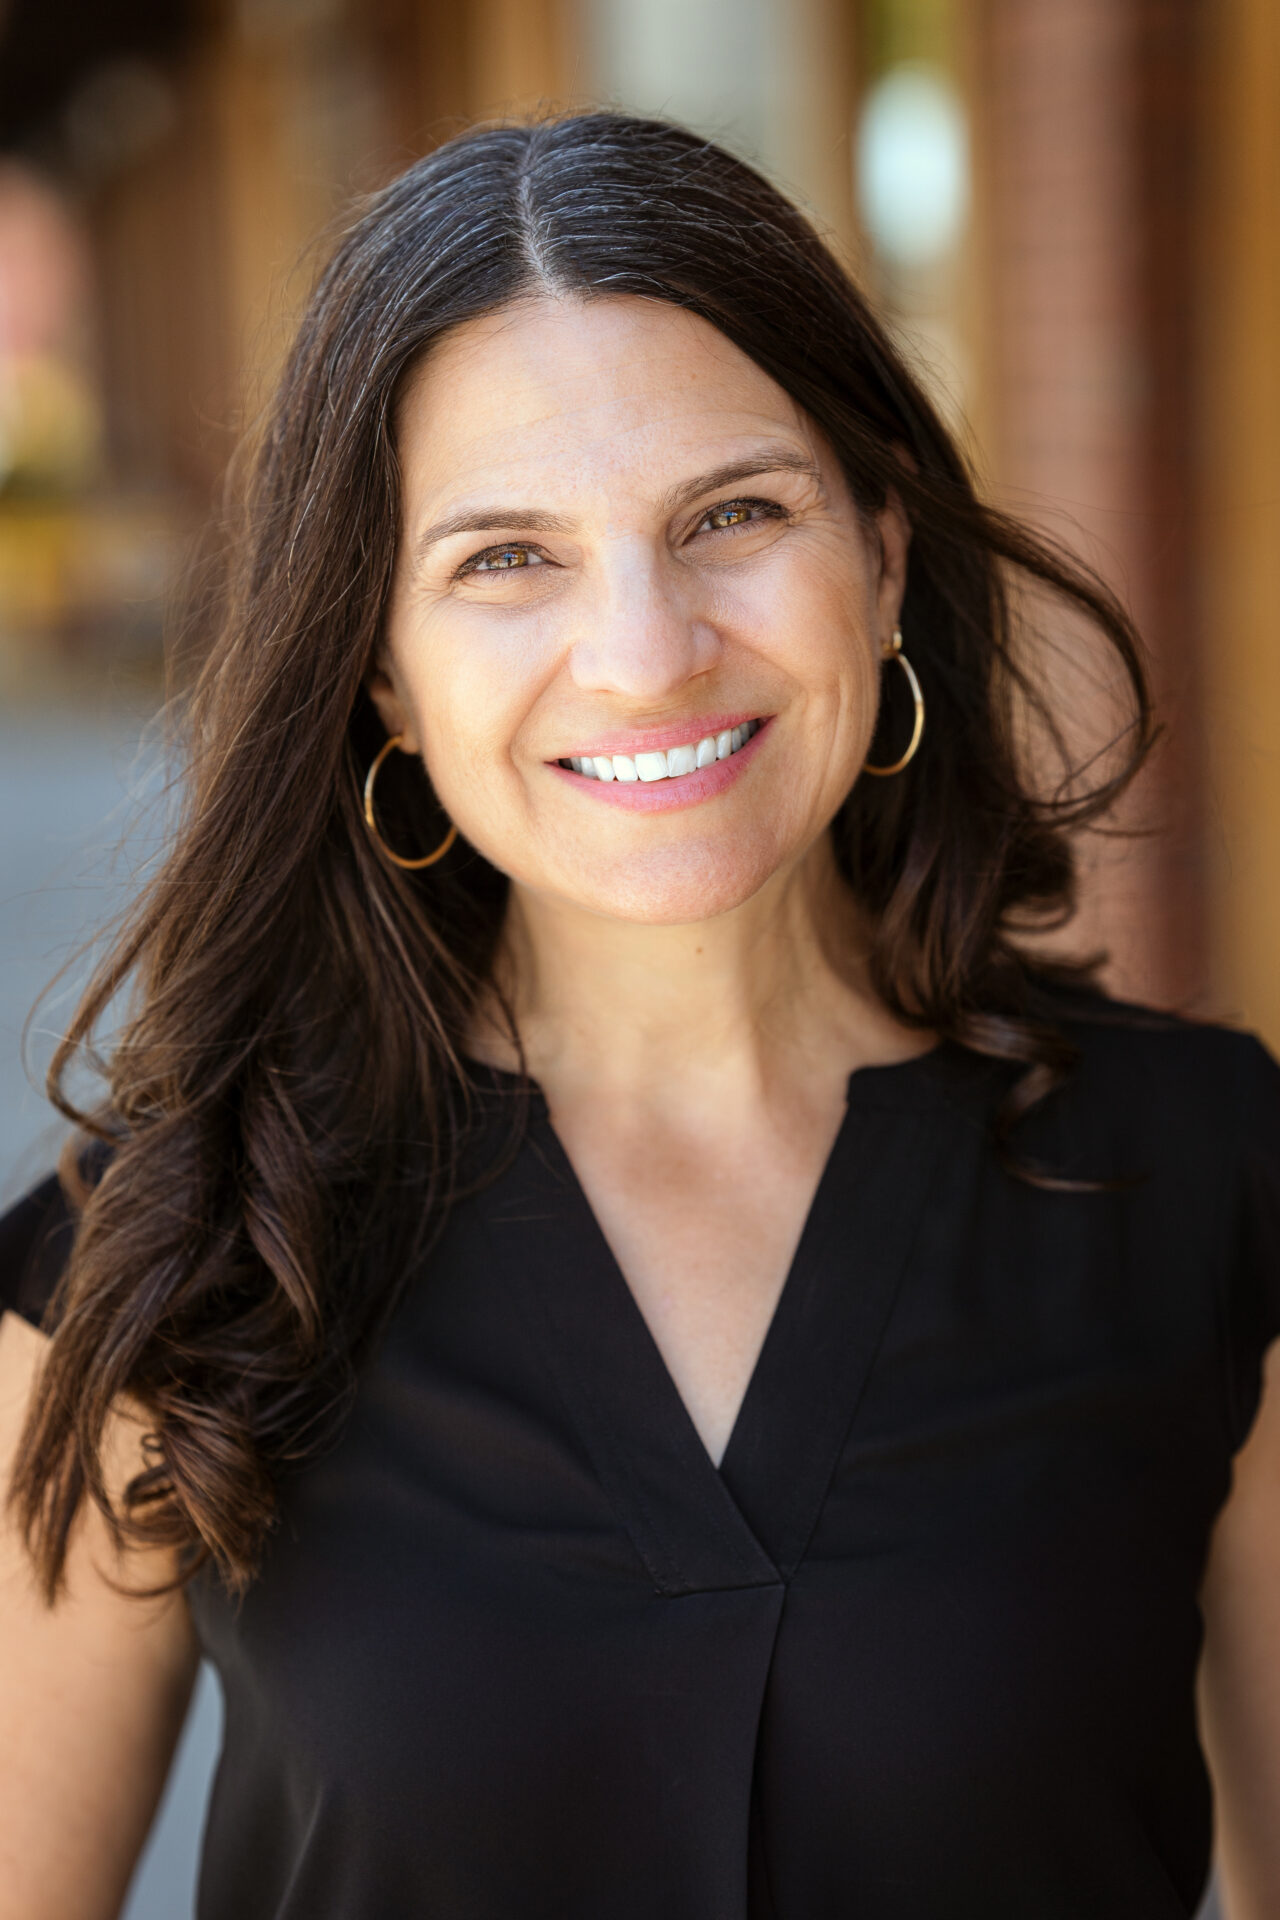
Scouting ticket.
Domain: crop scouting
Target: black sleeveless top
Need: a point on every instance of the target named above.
(922, 1648)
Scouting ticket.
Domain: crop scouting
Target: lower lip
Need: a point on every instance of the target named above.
(663, 796)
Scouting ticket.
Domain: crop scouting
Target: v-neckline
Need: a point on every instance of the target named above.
(801, 1258)
(746, 1521)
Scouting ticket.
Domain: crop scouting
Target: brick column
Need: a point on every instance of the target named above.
(1086, 117)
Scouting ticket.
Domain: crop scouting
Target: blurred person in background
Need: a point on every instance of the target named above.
(670, 1358)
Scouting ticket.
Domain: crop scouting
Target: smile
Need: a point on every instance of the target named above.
(675, 764)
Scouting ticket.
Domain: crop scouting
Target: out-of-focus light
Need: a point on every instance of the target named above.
(913, 165)
(49, 420)
(263, 19)
(117, 114)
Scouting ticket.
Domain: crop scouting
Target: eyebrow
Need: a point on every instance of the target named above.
(490, 520)
(536, 520)
(768, 460)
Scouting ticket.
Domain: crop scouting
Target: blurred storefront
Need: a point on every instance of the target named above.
(1070, 206)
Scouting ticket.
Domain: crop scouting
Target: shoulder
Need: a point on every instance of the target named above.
(1187, 1113)
(37, 1234)
(1166, 1105)
(1192, 1075)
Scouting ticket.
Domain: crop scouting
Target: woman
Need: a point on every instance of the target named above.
(671, 1367)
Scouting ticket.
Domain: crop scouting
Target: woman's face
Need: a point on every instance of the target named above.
(621, 543)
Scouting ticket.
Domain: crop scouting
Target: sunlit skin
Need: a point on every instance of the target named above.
(617, 530)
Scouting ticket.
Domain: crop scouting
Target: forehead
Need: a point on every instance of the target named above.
(569, 391)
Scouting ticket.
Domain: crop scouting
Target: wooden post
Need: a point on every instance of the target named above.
(1240, 503)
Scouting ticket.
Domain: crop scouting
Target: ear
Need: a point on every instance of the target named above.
(894, 531)
(393, 710)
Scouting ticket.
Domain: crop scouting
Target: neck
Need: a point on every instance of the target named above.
(774, 990)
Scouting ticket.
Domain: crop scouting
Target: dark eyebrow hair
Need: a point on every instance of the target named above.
(768, 460)
(489, 520)
(535, 520)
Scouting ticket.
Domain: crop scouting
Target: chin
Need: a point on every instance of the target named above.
(672, 890)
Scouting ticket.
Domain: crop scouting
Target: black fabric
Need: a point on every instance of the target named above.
(36, 1237)
(923, 1648)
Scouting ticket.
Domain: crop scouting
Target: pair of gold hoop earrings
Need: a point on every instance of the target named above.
(892, 652)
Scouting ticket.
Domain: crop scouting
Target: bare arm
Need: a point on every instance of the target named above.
(1240, 1671)
(93, 1693)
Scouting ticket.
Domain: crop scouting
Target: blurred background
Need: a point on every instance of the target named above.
(1070, 209)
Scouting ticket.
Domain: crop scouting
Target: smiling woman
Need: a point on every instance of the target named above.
(672, 1365)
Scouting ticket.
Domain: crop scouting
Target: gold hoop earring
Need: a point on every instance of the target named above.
(894, 652)
(428, 859)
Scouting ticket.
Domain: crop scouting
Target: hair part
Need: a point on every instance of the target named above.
(286, 1109)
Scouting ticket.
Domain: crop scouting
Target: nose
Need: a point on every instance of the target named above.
(642, 635)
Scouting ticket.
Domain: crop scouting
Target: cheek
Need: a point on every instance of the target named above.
(470, 689)
(811, 620)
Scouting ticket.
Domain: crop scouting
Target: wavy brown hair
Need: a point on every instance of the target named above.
(284, 1104)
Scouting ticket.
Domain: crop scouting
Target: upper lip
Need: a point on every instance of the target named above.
(679, 733)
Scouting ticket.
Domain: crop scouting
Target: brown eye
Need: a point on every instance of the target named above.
(731, 514)
(501, 560)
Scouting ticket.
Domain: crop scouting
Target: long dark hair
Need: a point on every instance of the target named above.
(284, 1104)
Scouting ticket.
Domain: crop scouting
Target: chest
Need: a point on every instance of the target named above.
(704, 1234)
(518, 1635)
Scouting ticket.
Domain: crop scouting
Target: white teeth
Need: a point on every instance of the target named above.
(671, 765)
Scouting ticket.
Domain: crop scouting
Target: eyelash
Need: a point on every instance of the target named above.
(472, 565)
(769, 508)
